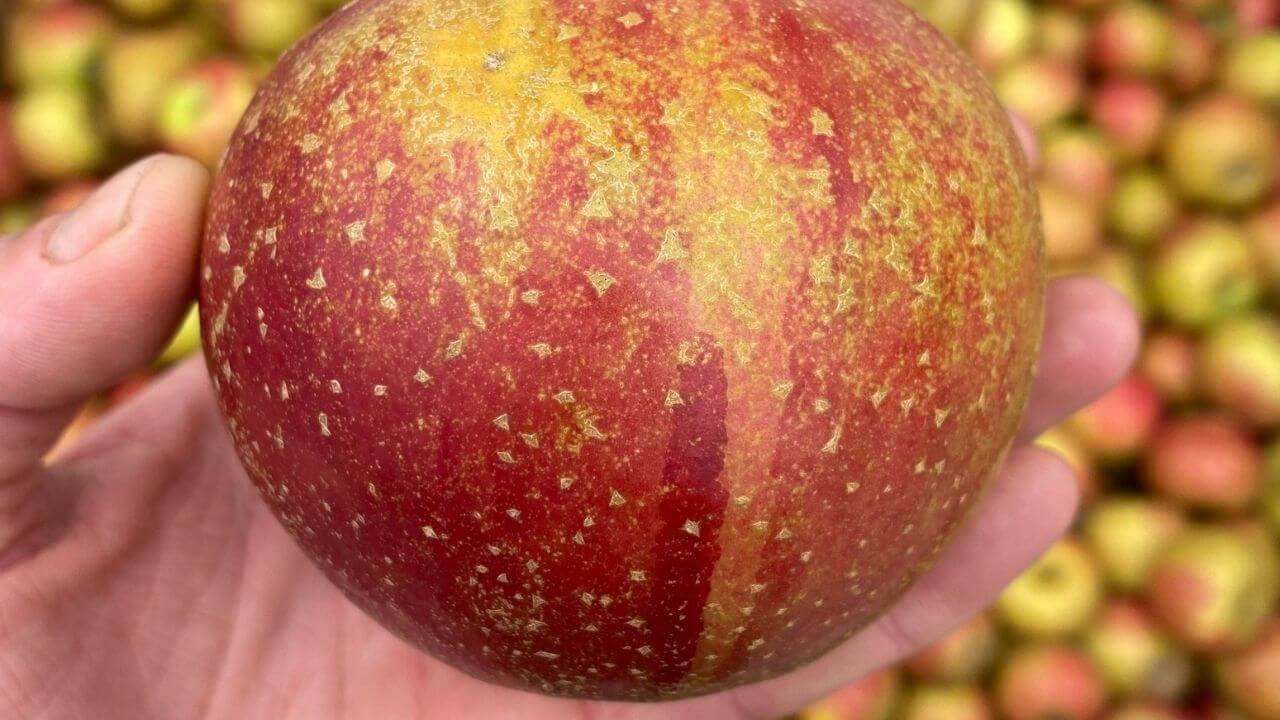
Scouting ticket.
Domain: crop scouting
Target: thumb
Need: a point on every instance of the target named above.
(89, 296)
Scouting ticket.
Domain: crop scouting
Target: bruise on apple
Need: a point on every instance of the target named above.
(623, 350)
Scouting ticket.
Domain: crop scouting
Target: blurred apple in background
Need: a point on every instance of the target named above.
(1250, 678)
(56, 43)
(57, 132)
(1169, 362)
(1049, 681)
(1142, 208)
(1132, 38)
(945, 702)
(202, 107)
(1127, 534)
(874, 697)
(1134, 656)
(1240, 367)
(1204, 273)
(965, 655)
(137, 69)
(1117, 425)
(1056, 597)
(1205, 462)
(1222, 151)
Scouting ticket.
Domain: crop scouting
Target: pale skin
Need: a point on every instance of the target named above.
(140, 576)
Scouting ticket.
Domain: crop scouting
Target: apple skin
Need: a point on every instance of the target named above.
(1056, 597)
(1127, 534)
(1215, 585)
(1116, 426)
(1204, 462)
(963, 656)
(874, 697)
(945, 702)
(1251, 678)
(579, 396)
(1135, 658)
(1049, 681)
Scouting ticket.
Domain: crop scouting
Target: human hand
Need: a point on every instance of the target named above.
(140, 577)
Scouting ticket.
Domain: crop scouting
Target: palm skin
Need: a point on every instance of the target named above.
(140, 577)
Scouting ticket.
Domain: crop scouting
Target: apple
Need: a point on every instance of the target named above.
(1194, 51)
(137, 68)
(1079, 159)
(945, 702)
(1135, 658)
(874, 697)
(1041, 90)
(1049, 681)
(1251, 67)
(1205, 462)
(1002, 32)
(57, 133)
(1131, 112)
(1214, 586)
(963, 656)
(1117, 425)
(1132, 38)
(560, 331)
(1205, 273)
(1263, 228)
(1061, 34)
(57, 43)
(66, 197)
(13, 177)
(1062, 441)
(1253, 16)
(1250, 678)
(1058, 596)
(1240, 367)
(267, 27)
(1221, 150)
(200, 109)
(1072, 223)
(1142, 208)
(1126, 534)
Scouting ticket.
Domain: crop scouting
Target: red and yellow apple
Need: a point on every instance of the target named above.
(1251, 677)
(1205, 462)
(1049, 681)
(945, 702)
(1127, 534)
(1135, 658)
(623, 351)
(1056, 597)
(874, 697)
(963, 656)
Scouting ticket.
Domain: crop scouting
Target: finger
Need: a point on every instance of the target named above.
(1030, 505)
(89, 296)
(1091, 337)
(1026, 138)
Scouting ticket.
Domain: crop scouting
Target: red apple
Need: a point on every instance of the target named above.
(1205, 462)
(1214, 586)
(945, 702)
(1135, 658)
(1194, 50)
(1257, 15)
(200, 109)
(1056, 597)
(963, 656)
(1240, 367)
(1131, 112)
(1041, 90)
(560, 329)
(1132, 38)
(1049, 681)
(1169, 362)
(1205, 273)
(1127, 534)
(1142, 208)
(55, 44)
(1080, 160)
(1251, 677)
(1116, 426)
(874, 697)
(13, 177)
(1222, 150)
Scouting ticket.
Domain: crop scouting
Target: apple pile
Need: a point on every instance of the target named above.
(1158, 171)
